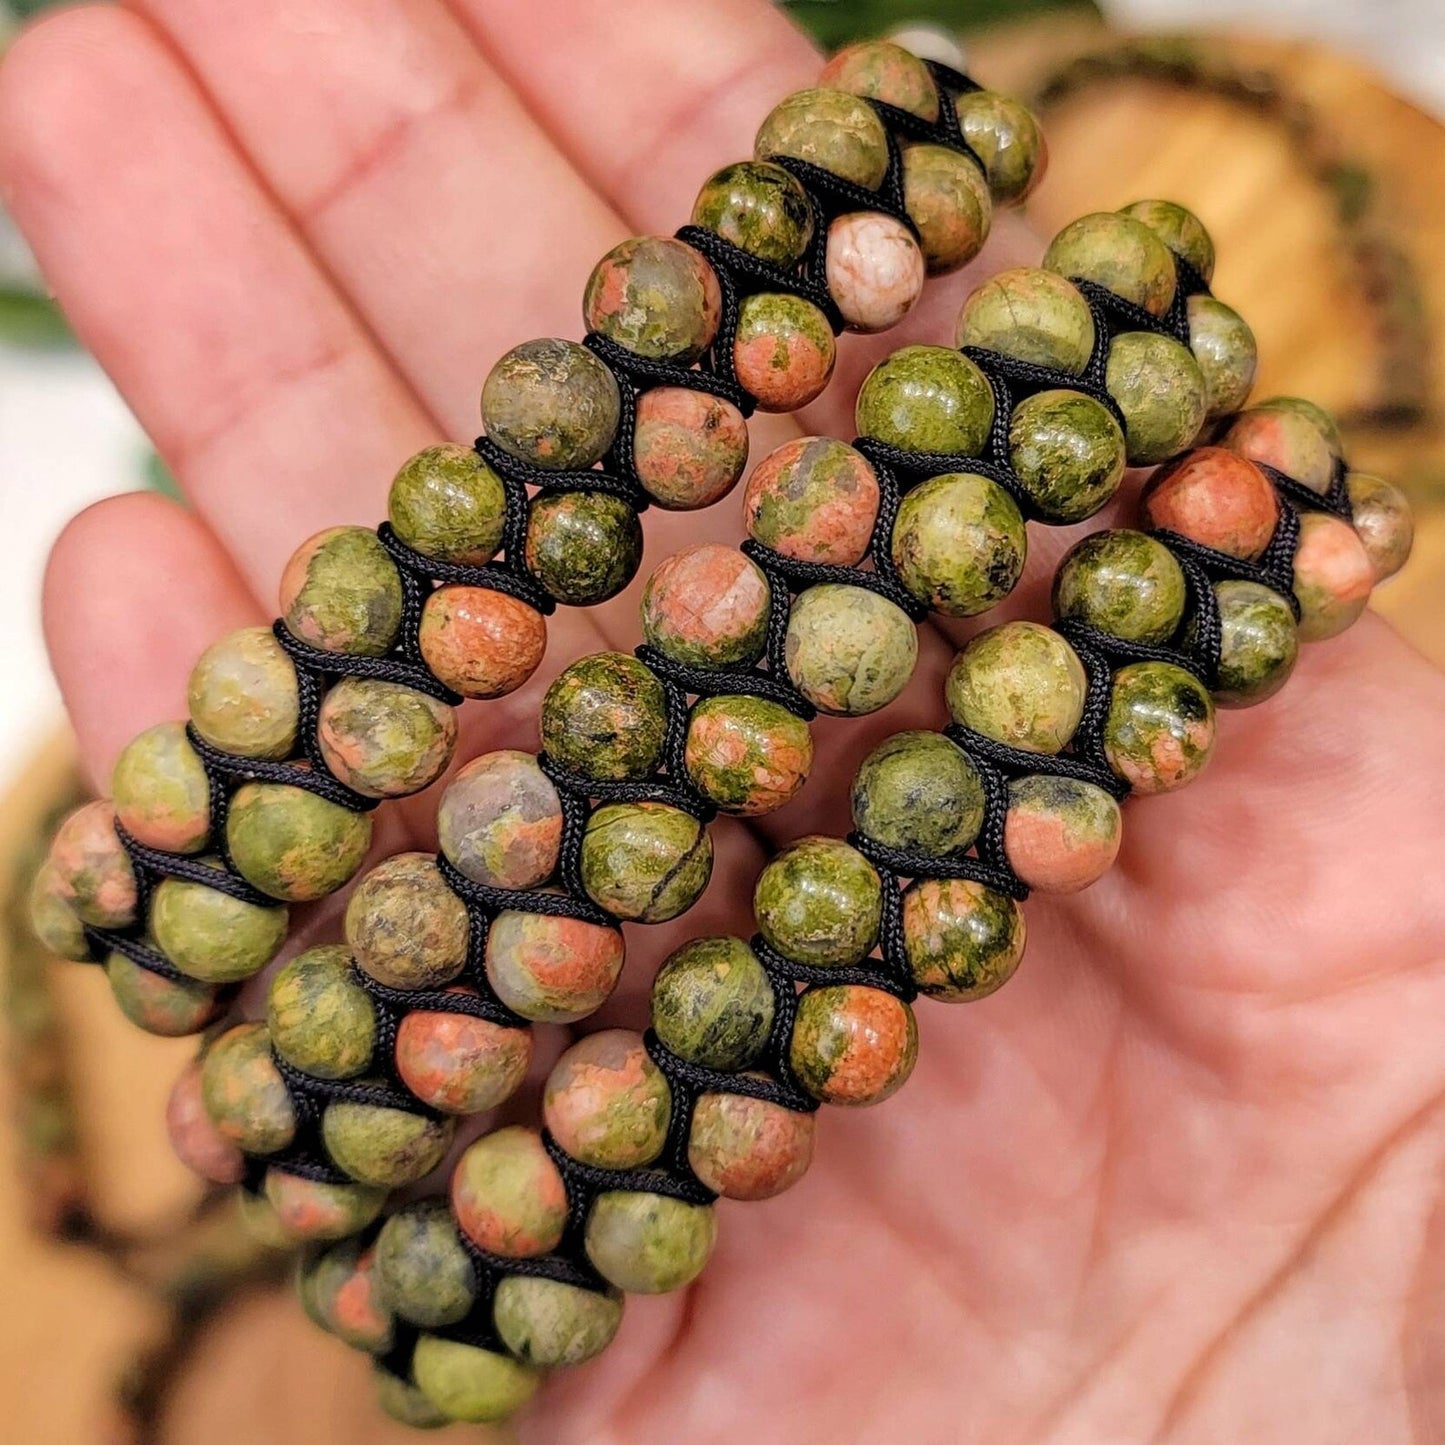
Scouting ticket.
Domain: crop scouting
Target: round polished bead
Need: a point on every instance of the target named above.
(783, 352)
(1068, 452)
(243, 697)
(500, 821)
(1214, 497)
(460, 1064)
(404, 926)
(819, 902)
(547, 1323)
(170, 1009)
(54, 922)
(160, 791)
(480, 1387)
(746, 755)
(874, 269)
(1323, 421)
(1225, 348)
(313, 1209)
(606, 1103)
(853, 1045)
(447, 503)
(551, 403)
(1159, 387)
(947, 199)
(962, 940)
(381, 1146)
(1119, 253)
(656, 297)
(1259, 643)
(194, 1139)
(927, 399)
(1382, 517)
(848, 650)
(881, 70)
(341, 592)
(712, 1003)
(321, 1020)
(507, 1195)
(425, 1273)
(1060, 834)
(605, 717)
(384, 740)
(244, 1092)
(1159, 731)
(1333, 576)
(1020, 684)
(745, 1148)
(760, 207)
(1032, 315)
(583, 547)
(551, 969)
(1288, 440)
(828, 128)
(919, 792)
(478, 642)
(401, 1401)
(1180, 229)
(92, 871)
(647, 861)
(1124, 583)
(212, 936)
(340, 1293)
(813, 499)
(648, 1243)
(707, 606)
(1007, 139)
(292, 844)
(688, 448)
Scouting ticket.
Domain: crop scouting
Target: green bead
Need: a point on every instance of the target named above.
(500, 821)
(338, 1290)
(1031, 315)
(169, 1009)
(243, 697)
(819, 902)
(1383, 519)
(605, 717)
(160, 791)
(1119, 253)
(551, 403)
(656, 297)
(828, 128)
(244, 1092)
(761, 208)
(471, 1384)
(546, 1323)
(746, 755)
(1225, 349)
(55, 923)
(1180, 229)
(292, 844)
(447, 503)
(312, 1209)
(916, 790)
(927, 399)
(1020, 684)
(1068, 452)
(848, 650)
(1259, 643)
(649, 1243)
(1124, 583)
(1007, 139)
(645, 861)
(707, 606)
(712, 1003)
(211, 936)
(384, 740)
(341, 592)
(813, 499)
(852, 1045)
(881, 70)
(321, 1020)
(606, 1103)
(405, 927)
(551, 969)
(1159, 731)
(745, 1148)
(508, 1196)
(1159, 387)
(384, 1147)
(401, 1401)
(426, 1275)
(93, 872)
(962, 940)
(583, 547)
(948, 200)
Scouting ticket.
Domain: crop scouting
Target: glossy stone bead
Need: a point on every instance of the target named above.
(507, 1195)
(1008, 141)
(1069, 453)
(1180, 229)
(839, 132)
(160, 791)
(1384, 521)
(707, 606)
(648, 1243)
(54, 922)
(341, 592)
(959, 543)
(947, 198)
(478, 642)
(211, 936)
(962, 940)
(848, 650)
(311, 1209)
(1227, 353)
(1060, 834)
(1159, 731)
(712, 1003)
(384, 1147)
(583, 547)
(470, 1384)
(784, 350)
(853, 1045)
(1323, 421)
(500, 821)
(404, 926)
(426, 1275)
(647, 861)
(605, 717)
(760, 207)
(688, 448)
(1159, 387)
(460, 1064)
(655, 296)
(1214, 497)
(243, 697)
(553, 970)
(321, 1020)
(744, 1148)
(813, 499)
(1124, 583)
(447, 503)
(244, 1093)
(881, 70)
(292, 844)
(746, 755)
(917, 791)
(338, 1291)
(1333, 576)
(401, 1401)
(194, 1140)
(874, 269)
(546, 1323)
(819, 902)
(552, 403)
(1019, 684)
(169, 1009)
(606, 1103)
(92, 872)
(384, 740)
(927, 399)
(1032, 315)
(1286, 439)
(1259, 643)
(1117, 252)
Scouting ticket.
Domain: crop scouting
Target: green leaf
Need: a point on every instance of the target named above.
(836, 22)
(29, 319)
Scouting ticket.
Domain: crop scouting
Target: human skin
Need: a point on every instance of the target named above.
(1176, 1182)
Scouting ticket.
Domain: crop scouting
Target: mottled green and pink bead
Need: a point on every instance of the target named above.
(1333, 576)
(917, 791)
(1158, 386)
(712, 1003)
(340, 1292)
(382, 1146)
(404, 926)
(321, 1020)
(500, 821)
(1032, 315)
(688, 448)
(819, 902)
(1214, 497)
(583, 547)
(813, 499)
(1383, 519)
(244, 1093)
(648, 1243)
(707, 606)
(947, 199)
(92, 872)
(647, 862)
(1060, 834)
(479, 642)
(460, 1064)
(1159, 730)
(168, 1008)
(160, 791)
(1067, 450)
(605, 717)
(1020, 684)
(962, 940)
(508, 1196)
(606, 1103)
(547, 1323)
(1180, 230)
(52, 918)
(384, 740)
(852, 1045)
(783, 351)
(314, 1209)
(194, 1139)
(746, 755)
(447, 503)
(1288, 439)
(927, 399)
(874, 269)
(848, 650)
(243, 695)
(828, 128)
(1259, 643)
(746, 1148)
(341, 592)
(1006, 137)
(552, 969)
(425, 1274)
(211, 936)
(551, 403)
(656, 297)
(760, 207)
(1228, 356)
(292, 844)
(881, 70)
(1119, 253)
(1124, 583)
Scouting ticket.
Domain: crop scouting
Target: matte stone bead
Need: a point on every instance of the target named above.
(947, 198)
(959, 543)
(814, 499)
(1008, 141)
(471, 1384)
(853, 1045)
(647, 862)
(1323, 420)
(707, 606)
(1225, 348)
(1124, 583)
(583, 547)
(292, 844)
(712, 1003)
(917, 791)
(384, 740)
(260, 1222)
(1159, 387)
(194, 1140)
(339, 1292)
(553, 970)
(819, 902)
(92, 872)
(1286, 439)
(606, 1103)
(478, 642)
(507, 1195)
(341, 592)
(384, 1147)
(500, 821)
(1068, 452)
(848, 650)
(425, 1273)
(1180, 229)
(1019, 684)
(460, 1064)
(1333, 576)
(211, 936)
(311, 1209)
(927, 399)
(546, 1323)
(649, 1243)
(401, 1401)
(551, 403)
(242, 695)
(744, 1148)
(605, 717)
(1119, 253)
(783, 352)
(962, 941)
(405, 927)
(320, 1019)
(1159, 731)
(1059, 834)
(874, 270)
(655, 296)
(160, 791)
(55, 923)
(760, 207)
(447, 503)
(1031, 315)
(1259, 643)
(881, 70)
(1384, 521)
(688, 448)
(170, 1010)
(1214, 497)
(244, 1093)
(828, 128)
(746, 755)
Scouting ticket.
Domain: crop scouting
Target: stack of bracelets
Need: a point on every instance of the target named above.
(1254, 537)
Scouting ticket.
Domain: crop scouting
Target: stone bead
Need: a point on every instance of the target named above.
(194, 1140)
(813, 499)
(647, 861)
(746, 755)
(1323, 420)
(470, 1384)
(320, 1019)
(54, 922)
(881, 70)
(761, 208)
(211, 936)
(784, 350)
(553, 970)
(606, 1103)
(500, 821)
(384, 1147)
(828, 128)
(478, 642)
(546, 1323)
(1214, 497)
(339, 1292)
(460, 1064)
(853, 1045)
(583, 547)
(260, 1224)
(688, 448)
(401, 1401)
(1124, 583)
(712, 1003)
(848, 650)
(1159, 387)
(1159, 731)
(874, 269)
(244, 1093)
(948, 199)
(927, 399)
(311, 1209)
(707, 606)
(508, 1196)
(551, 403)
(916, 790)
(243, 697)
(341, 592)
(1008, 141)
(168, 1009)
(1060, 834)
(1227, 353)
(160, 791)
(655, 296)
(605, 717)
(1020, 684)
(962, 940)
(744, 1148)
(1119, 253)
(819, 902)
(291, 844)
(405, 927)
(426, 1275)
(1290, 441)
(1032, 315)
(1333, 576)
(1384, 521)
(384, 740)
(959, 543)
(1259, 643)
(447, 503)
(648, 1243)
(1180, 229)
(92, 872)
(1068, 452)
